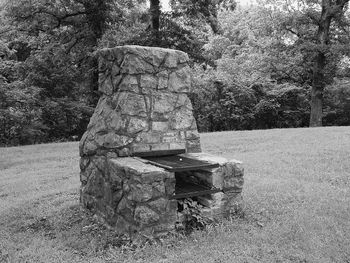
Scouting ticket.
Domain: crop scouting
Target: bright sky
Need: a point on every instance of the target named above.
(166, 7)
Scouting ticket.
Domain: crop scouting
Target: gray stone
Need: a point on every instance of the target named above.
(140, 192)
(112, 140)
(158, 189)
(230, 181)
(181, 119)
(106, 54)
(163, 102)
(161, 126)
(137, 125)
(131, 104)
(159, 205)
(84, 162)
(177, 145)
(180, 80)
(87, 145)
(163, 78)
(116, 121)
(141, 148)
(95, 184)
(171, 60)
(153, 176)
(169, 184)
(150, 137)
(182, 57)
(183, 102)
(125, 208)
(116, 80)
(152, 55)
(124, 152)
(160, 146)
(115, 70)
(145, 216)
(99, 162)
(104, 67)
(136, 166)
(129, 83)
(133, 64)
(122, 226)
(148, 82)
(105, 85)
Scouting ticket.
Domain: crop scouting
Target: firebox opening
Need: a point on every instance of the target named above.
(189, 186)
(193, 213)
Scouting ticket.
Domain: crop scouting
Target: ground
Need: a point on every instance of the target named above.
(296, 196)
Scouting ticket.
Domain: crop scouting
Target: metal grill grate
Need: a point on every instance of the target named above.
(179, 163)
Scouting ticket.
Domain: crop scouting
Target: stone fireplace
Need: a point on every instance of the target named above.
(141, 152)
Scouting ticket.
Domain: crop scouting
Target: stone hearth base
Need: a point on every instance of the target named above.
(133, 196)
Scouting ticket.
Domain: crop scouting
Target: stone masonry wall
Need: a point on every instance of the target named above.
(143, 107)
(228, 177)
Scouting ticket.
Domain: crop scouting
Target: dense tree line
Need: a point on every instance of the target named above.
(266, 66)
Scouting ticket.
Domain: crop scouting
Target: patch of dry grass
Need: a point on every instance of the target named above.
(296, 192)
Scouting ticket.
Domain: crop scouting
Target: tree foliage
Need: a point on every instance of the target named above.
(253, 68)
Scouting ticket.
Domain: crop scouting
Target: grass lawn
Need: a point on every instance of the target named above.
(296, 195)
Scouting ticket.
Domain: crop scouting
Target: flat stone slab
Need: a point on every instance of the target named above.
(136, 164)
(212, 158)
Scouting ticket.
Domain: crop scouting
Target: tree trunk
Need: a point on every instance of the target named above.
(214, 24)
(316, 107)
(96, 15)
(155, 19)
(318, 76)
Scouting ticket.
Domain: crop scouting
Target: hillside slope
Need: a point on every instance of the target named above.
(296, 194)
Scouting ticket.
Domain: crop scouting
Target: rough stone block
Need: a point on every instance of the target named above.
(177, 145)
(160, 147)
(148, 82)
(140, 192)
(209, 158)
(181, 119)
(131, 104)
(163, 78)
(145, 216)
(129, 84)
(105, 85)
(180, 80)
(141, 148)
(161, 126)
(150, 137)
(159, 205)
(112, 140)
(133, 64)
(137, 125)
(152, 55)
(87, 145)
(116, 121)
(123, 152)
(169, 137)
(170, 185)
(84, 162)
(171, 60)
(163, 102)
